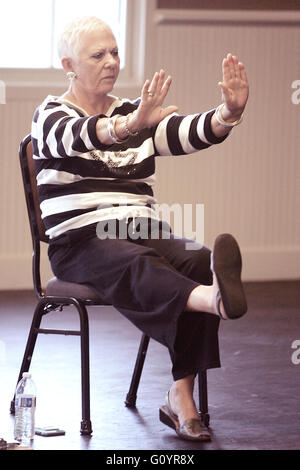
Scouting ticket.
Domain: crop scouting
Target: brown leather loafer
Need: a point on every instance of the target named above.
(190, 430)
(226, 263)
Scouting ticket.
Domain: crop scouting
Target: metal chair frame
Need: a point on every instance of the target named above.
(51, 303)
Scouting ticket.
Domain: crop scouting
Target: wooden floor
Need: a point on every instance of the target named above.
(253, 398)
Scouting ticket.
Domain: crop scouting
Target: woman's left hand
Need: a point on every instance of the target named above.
(234, 87)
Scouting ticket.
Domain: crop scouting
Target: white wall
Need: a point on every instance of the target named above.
(249, 184)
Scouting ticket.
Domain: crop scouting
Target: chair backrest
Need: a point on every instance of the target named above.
(30, 187)
(37, 227)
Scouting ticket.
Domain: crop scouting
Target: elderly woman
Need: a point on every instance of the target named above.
(94, 155)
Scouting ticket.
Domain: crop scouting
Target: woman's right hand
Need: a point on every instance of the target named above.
(150, 111)
(148, 114)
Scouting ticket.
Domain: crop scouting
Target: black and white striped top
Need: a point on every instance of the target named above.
(82, 181)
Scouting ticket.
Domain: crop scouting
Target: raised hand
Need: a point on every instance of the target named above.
(150, 111)
(234, 87)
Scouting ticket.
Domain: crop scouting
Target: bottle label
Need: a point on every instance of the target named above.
(26, 402)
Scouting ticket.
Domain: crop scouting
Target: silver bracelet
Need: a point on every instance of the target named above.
(129, 132)
(111, 130)
(219, 118)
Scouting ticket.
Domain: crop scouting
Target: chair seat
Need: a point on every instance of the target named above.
(57, 288)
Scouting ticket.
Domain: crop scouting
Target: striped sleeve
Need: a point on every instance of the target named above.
(180, 135)
(58, 131)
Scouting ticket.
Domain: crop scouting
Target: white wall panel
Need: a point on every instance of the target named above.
(250, 183)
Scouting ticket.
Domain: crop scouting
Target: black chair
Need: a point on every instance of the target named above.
(59, 294)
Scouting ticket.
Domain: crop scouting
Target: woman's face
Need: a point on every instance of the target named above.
(97, 64)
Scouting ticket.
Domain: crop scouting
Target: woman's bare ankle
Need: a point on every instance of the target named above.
(181, 399)
(202, 299)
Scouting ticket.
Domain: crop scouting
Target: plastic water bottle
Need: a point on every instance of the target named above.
(25, 402)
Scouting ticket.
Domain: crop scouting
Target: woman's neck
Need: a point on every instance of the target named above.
(92, 104)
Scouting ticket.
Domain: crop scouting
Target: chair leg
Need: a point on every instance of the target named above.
(138, 368)
(86, 425)
(203, 402)
(36, 321)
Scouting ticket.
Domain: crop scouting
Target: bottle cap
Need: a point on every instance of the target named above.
(26, 375)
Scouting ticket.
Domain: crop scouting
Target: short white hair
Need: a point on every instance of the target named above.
(70, 38)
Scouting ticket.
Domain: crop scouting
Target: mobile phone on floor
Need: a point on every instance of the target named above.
(49, 431)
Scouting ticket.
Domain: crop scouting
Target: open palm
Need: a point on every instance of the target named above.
(150, 111)
(234, 87)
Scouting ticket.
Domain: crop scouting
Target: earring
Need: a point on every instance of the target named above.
(71, 75)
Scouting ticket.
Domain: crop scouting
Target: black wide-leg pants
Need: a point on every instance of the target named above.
(149, 281)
